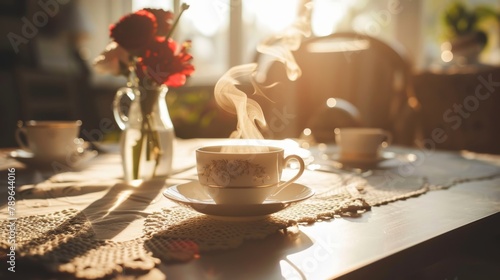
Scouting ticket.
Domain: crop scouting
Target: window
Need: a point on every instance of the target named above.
(225, 32)
(206, 24)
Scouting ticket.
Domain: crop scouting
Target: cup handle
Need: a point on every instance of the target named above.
(294, 178)
(120, 117)
(19, 140)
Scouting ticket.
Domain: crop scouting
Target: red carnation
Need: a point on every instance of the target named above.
(164, 19)
(163, 65)
(135, 31)
(145, 37)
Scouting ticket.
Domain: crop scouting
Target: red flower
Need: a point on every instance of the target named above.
(135, 31)
(164, 19)
(144, 35)
(161, 64)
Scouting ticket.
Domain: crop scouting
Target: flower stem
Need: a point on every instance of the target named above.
(136, 156)
(184, 7)
(155, 149)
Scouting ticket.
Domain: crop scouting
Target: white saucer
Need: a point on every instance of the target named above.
(191, 195)
(73, 161)
(374, 161)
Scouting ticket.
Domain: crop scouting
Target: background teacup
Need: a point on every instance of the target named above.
(49, 139)
(361, 143)
(245, 175)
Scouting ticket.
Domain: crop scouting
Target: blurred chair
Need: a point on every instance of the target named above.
(372, 75)
(460, 109)
(336, 114)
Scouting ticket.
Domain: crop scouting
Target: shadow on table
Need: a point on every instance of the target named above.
(269, 255)
(103, 219)
(120, 206)
(53, 247)
(33, 194)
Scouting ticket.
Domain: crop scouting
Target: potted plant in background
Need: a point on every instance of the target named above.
(466, 30)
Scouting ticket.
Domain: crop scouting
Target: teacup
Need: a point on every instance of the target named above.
(361, 143)
(49, 139)
(245, 174)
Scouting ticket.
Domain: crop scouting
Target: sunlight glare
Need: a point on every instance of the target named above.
(121, 197)
(289, 270)
(273, 15)
(327, 15)
(331, 102)
(206, 16)
(157, 4)
(447, 56)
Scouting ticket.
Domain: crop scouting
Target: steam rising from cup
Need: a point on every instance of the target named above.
(279, 48)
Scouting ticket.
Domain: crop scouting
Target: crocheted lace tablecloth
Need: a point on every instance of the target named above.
(65, 242)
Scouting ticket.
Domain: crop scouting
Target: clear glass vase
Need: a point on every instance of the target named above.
(147, 137)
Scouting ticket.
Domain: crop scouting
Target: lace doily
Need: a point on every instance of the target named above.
(64, 242)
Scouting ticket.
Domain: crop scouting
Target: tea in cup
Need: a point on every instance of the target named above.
(243, 174)
(358, 144)
(49, 139)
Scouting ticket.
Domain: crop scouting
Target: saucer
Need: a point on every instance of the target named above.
(190, 195)
(30, 159)
(384, 156)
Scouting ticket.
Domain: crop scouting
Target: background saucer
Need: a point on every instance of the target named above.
(384, 156)
(363, 161)
(191, 195)
(31, 160)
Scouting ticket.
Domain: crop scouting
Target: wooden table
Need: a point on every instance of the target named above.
(435, 234)
(393, 241)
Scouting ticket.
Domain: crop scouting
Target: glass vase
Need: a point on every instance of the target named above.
(146, 142)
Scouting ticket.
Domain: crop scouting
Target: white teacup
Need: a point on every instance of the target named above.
(245, 175)
(49, 139)
(361, 143)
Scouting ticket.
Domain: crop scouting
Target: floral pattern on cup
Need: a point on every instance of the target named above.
(221, 172)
